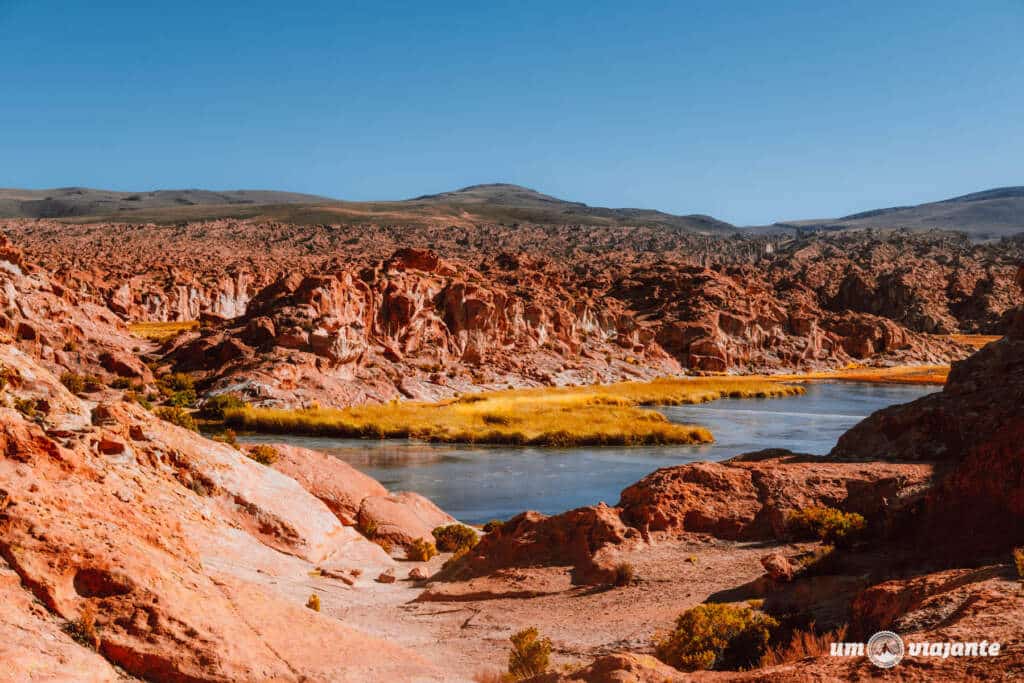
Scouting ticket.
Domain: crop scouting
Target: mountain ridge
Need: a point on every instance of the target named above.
(986, 214)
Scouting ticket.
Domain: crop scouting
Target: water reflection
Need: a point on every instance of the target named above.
(478, 483)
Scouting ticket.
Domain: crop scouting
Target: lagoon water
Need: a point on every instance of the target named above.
(479, 483)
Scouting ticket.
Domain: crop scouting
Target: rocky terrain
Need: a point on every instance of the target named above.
(341, 315)
(132, 547)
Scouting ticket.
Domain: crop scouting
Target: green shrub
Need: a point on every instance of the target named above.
(624, 574)
(494, 526)
(264, 454)
(530, 654)
(716, 636)
(178, 389)
(455, 537)
(213, 408)
(177, 415)
(829, 525)
(420, 550)
(314, 602)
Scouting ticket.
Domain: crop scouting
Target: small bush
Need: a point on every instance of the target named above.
(829, 525)
(420, 550)
(716, 636)
(28, 407)
(7, 376)
(213, 408)
(121, 383)
(264, 454)
(1018, 561)
(228, 436)
(385, 544)
(367, 527)
(178, 389)
(624, 574)
(73, 382)
(135, 397)
(530, 655)
(455, 537)
(494, 526)
(177, 415)
(83, 629)
(314, 602)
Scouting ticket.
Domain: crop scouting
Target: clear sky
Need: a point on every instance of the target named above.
(748, 111)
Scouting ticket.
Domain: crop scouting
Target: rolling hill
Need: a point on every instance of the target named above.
(982, 215)
(494, 203)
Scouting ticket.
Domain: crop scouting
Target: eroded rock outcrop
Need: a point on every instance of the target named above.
(164, 536)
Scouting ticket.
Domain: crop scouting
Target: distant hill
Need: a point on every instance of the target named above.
(982, 215)
(69, 202)
(494, 203)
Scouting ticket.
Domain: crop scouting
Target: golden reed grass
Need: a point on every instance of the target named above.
(161, 332)
(601, 415)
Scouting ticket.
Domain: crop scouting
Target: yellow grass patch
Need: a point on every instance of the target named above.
(161, 332)
(908, 374)
(566, 416)
(975, 340)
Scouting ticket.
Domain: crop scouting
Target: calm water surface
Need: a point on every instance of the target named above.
(478, 483)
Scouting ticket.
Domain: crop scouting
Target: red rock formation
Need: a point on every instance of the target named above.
(165, 535)
(64, 331)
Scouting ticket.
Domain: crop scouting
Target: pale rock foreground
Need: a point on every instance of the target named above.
(177, 543)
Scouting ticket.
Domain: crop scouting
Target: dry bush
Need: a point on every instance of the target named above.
(455, 537)
(314, 602)
(530, 654)
(716, 636)
(213, 408)
(829, 525)
(1018, 561)
(177, 415)
(624, 574)
(228, 436)
(493, 527)
(83, 629)
(802, 644)
(264, 454)
(420, 550)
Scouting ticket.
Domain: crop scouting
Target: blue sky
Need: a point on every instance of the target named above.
(748, 111)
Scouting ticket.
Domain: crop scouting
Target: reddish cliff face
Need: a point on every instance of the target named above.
(64, 330)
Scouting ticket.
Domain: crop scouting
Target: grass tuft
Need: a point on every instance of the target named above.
(264, 454)
(802, 644)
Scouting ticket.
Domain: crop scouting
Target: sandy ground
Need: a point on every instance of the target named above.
(466, 625)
